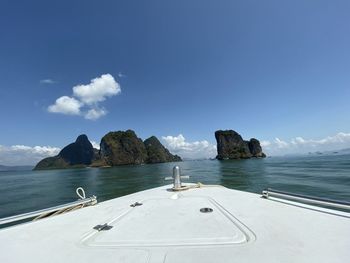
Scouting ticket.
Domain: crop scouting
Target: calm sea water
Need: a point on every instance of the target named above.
(322, 176)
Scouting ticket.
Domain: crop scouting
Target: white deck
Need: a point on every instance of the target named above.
(169, 227)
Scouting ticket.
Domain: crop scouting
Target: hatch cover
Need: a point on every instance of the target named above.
(172, 222)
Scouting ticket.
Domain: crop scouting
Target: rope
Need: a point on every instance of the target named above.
(80, 192)
(198, 185)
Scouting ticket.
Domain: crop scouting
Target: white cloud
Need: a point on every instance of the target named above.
(265, 143)
(86, 98)
(98, 90)
(192, 150)
(94, 114)
(95, 145)
(47, 81)
(25, 155)
(66, 105)
(280, 144)
(121, 75)
(299, 144)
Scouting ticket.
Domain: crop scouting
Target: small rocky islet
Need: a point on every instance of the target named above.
(125, 148)
(230, 145)
(77, 154)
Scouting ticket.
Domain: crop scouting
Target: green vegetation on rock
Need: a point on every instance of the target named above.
(157, 153)
(230, 145)
(116, 148)
(120, 148)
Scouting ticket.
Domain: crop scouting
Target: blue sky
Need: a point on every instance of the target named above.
(267, 69)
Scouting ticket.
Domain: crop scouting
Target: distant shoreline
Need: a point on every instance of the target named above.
(9, 168)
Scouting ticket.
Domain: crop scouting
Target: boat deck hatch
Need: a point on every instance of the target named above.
(167, 222)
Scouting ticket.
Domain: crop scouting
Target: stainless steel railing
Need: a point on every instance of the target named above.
(11, 219)
(60, 208)
(306, 199)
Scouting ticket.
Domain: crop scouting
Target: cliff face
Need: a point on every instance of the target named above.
(119, 148)
(255, 148)
(157, 153)
(79, 153)
(230, 145)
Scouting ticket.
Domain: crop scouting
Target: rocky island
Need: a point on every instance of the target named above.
(230, 145)
(116, 148)
(77, 154)
(157, 153)
(122, 147)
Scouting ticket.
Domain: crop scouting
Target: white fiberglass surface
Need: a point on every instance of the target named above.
(163, 221)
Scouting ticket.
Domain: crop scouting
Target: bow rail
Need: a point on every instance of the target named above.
(267, 193)
(53, 210)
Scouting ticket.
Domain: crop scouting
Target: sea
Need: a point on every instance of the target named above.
(325, 176)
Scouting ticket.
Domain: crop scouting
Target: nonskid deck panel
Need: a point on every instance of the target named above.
(174, 221)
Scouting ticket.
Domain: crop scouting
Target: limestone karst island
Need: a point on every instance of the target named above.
(116, 148)
(230, 145)
(125, 148)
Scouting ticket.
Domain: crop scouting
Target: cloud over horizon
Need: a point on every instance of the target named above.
(86, 98)
(297, 145)
(29, 155)
(25, 155)
(300, 145)
(189, 150)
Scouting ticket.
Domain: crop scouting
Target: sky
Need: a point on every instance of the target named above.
(275, 70)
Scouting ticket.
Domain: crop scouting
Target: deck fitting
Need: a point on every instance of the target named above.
(136, 204)
(103, 227)
(206, 210)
